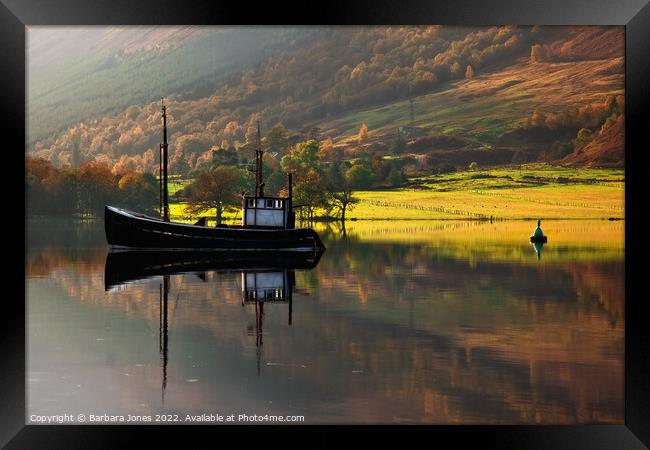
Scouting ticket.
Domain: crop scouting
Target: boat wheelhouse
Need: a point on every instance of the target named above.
(267, 212)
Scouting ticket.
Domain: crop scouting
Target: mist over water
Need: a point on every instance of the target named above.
(400, 322)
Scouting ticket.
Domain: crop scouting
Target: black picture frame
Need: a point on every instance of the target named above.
(16, 15)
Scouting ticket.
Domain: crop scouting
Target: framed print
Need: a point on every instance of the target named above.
(405, 214)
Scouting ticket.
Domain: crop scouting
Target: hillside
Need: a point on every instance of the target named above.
(493, 95)
(83, 74)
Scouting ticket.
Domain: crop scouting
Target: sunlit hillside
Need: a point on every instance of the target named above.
(493, 95)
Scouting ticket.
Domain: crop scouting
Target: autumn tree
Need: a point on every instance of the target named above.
(276, 139)
(537, 54)
(363, 133)
(224, 156)
(95, 185)
(469, 72)
(138, 191)
(456, 69)
(584, 135)
(85, 189)
(537, 119)
(178, 163)
(309, 193)
(329, 152)
(43, 185)
(339, 190)
(219, 188)
(233, 133)
(251, 136)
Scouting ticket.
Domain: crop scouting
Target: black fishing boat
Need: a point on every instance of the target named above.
(268, 223)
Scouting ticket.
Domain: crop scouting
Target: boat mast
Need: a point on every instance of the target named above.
(160, 177)
(259, 184)
(164, 156)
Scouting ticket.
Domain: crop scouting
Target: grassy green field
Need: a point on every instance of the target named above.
(522, 192)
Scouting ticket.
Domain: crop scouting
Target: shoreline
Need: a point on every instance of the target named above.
(376, 219)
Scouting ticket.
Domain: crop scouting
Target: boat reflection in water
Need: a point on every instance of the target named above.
(266, 286)
(126, 266)
(266, 278)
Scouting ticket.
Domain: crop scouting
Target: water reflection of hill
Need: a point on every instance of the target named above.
(376, 271)
(440, 338)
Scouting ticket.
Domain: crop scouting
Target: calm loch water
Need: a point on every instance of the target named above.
(398, 322)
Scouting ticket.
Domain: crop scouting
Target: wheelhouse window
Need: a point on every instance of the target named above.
(251, 203)
(269, 203)
(278, 203)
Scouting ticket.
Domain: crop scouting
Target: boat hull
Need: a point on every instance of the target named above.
(538, 239)
(137, 231)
